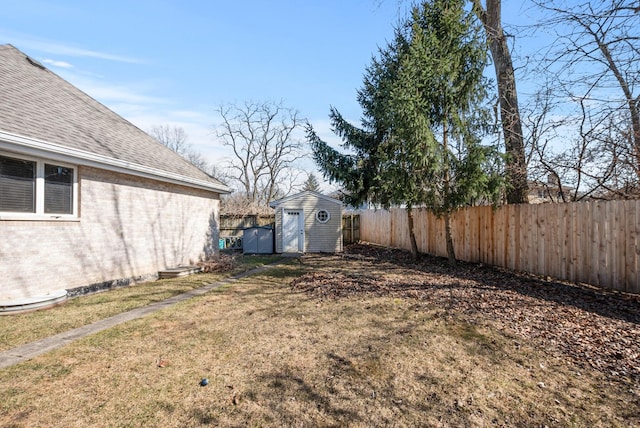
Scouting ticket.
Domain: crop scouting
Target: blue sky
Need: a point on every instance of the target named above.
(172, 62)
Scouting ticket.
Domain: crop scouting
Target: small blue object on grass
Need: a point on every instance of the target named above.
(204, 382)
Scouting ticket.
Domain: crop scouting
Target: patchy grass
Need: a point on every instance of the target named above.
(278, 356)
(19, 329)
(253, 261)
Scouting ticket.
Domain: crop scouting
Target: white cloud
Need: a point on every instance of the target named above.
(51, 47)
(133, 102)
(322, 128)
(110, 93)
(193, 115)
(198, 131)
(54, 63)
(146, 111)
(71, 51)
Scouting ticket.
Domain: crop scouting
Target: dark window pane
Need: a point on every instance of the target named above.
(17, 185)
(322, 216)
(58, 189)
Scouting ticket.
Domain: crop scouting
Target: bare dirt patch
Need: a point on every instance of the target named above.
(592, 327)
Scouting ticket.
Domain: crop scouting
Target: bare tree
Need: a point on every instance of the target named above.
(516, 167)
(541, 129)
(595, 64)
(171, 136)
(175, 138)
(263, 139)
(236, 203)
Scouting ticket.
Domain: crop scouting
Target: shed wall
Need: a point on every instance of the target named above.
(318, 237)
(128, 227)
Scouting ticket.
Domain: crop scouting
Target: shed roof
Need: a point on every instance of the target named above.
(41, 113)
(302, 195)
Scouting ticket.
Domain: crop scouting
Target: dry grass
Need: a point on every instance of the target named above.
(19, 329)
(275, 356)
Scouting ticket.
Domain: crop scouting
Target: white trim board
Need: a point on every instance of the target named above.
(39, 148)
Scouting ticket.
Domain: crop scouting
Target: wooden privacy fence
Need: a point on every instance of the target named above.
(597, 243)
(350, 228)
(231, 226)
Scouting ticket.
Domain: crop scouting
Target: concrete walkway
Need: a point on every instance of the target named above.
(30, 350)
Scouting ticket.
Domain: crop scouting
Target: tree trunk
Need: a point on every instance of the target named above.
(632, 102)
(451, 252)
(517, 189)
(412, 235)
(447, 215)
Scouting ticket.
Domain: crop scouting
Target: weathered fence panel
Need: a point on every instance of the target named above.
(232, 227)
(350, 228)
(591, 242)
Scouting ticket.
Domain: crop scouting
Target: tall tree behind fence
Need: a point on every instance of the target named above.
(597, 243)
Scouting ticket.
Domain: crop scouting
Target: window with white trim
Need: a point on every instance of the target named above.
(31, 187)
(323, 216)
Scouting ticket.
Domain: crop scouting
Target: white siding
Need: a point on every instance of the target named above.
(318, 237)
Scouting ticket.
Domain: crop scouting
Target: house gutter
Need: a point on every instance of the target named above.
(39, 148)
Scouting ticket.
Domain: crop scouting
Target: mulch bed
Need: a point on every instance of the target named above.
(592, 327)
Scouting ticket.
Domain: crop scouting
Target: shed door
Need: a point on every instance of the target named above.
(292, 231)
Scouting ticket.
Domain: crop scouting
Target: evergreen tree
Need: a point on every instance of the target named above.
(311, 184)
(422, 100)
(438, 103)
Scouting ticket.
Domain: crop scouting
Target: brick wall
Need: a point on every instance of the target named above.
(128, 227)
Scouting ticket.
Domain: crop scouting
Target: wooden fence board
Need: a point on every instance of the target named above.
(568, 241)
(632, 245)
(590, 242)
(623, 233)
(462, 244)
(633, 277)
(500, 238)
(529, 251)
(540, 230)
(593, 242)
(594, 245)
(517, 238)
(618, 245)
(555, 255)
(465, 245)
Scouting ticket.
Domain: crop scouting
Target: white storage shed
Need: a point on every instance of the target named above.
(308, 222)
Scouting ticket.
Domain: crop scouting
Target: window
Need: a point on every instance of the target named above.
(33, 187)
(17, 185)
(58, 189)
(323, 216)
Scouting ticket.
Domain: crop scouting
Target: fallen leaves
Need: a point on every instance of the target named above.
(593, 327)
(218, 263)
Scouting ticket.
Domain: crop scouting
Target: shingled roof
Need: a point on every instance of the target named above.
(42, 113)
